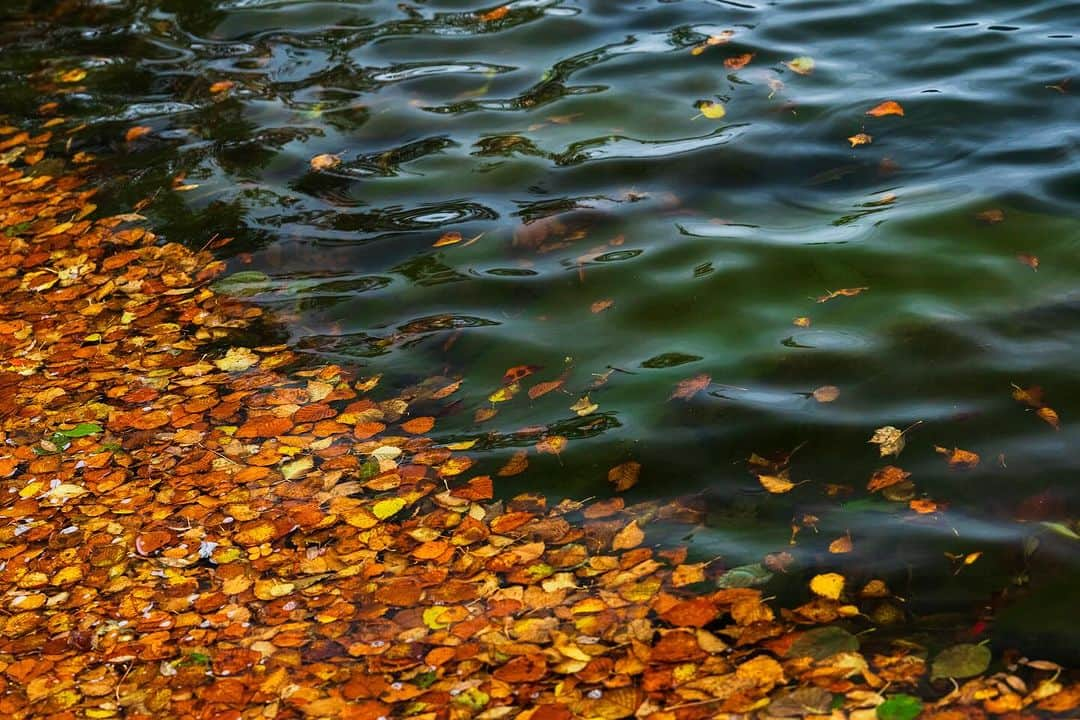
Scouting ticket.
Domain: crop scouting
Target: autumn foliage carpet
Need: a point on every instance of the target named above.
(195, 529)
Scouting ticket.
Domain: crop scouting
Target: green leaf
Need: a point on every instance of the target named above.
(823, 642)
(81, 430)
(243, 284)
(744, 576)
(900, 707)
(474, 698)
(960, 661)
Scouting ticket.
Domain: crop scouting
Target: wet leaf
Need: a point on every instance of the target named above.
(860, 139)
(688, 388)
(803, 322)
(991, 217)
(776, 484)
(889, 107)
(625, 475)
(136, 132)
(584, 406)
(81, 430)
(887, 477)
(448, 238)
(601, 305)
(890, 440)
(960, 661)
(495, 14)
(1049, 416)
(827, 585)
(325, 162)
(826, 393)
(802, 65)
(1032, 261)
(900, 707)
(738, 62)
(961, 459)
(843, 292)
(518, 373)
(712, 110)
(744, 576)
(823, 642)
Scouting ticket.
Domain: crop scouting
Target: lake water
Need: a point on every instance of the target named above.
(618, 239)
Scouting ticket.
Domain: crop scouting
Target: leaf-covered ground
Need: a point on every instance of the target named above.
(196, 529)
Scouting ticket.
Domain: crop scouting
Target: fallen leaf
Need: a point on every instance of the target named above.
(136, 132)
(860, 139)
(1049, 416)
(553, 444)
(841, 545)
(991, 216)
(543, 388)
(737, 62)
(495, 14)
(690, 387)
(419, 426)
(899, 707)
(964, 459)
(889, 107)
(826, 393)
(221, 86)
(584, 406)
(325, 161)
(1032, 261)
(712, 110)
(923, 506)
(803, 322)
(843, 292)
(518, 372)
(624, 476)
(802, 65)
(886, 477)
(827, 585)
(960, 661)
(448, 238)
(890, 440)
(776, 484)
(629, 537)
(601, 305)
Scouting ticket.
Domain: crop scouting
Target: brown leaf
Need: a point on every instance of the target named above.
(826, 393)
(515, 465)
(518, 372)
(886, 477)
(419, 426)
(843, 292)
(1049, 416)
(325, 161)
(629, 537)
(963, 459)
(624, 476)
(737, 62)
(601, 305)
(264, 426)
(991, 216)
(690, 387)
(543, 388)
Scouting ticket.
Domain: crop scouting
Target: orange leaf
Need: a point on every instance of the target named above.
(1032, 261)
(629, 537)
(923, 507)
(553, 444)
(843, 292)
(264, 426)
(624, 476)
(365, 430)
(497, 14)
(1050, 416)
(886, 477)
(991, 216)
(826, 393)
(841, 545)
(151, 420)
(958, 458)
(479, 488)
(221, 86)
(418, 426)
(325, 161)
(860, 139)
(450, 238)
(543, 388)
(601, 305)
(738, 61)
(518, 372)
(776, 484)
(696, 612)
(136, 132)
(889, 107)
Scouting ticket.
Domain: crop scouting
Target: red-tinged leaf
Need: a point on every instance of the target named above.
(843, 292)
(738, 62)
(690, 387)
(543, 388)
(518, 372)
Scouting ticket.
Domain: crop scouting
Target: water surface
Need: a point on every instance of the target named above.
(614, 237)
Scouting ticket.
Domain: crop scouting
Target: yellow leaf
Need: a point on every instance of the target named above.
(73, 76)
(624, 476)
(629, 537)
(712, 110)
(801, 65)
(890, 440)
(237, 359)
(584, 406)
(432, 616)
(449, 238)
(776, 484)
(860, 139)
(385, 508)
(828, 585)
(325, 162)
(504, 393)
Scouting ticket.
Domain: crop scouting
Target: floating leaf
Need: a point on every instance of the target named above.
(803, 322)
(890, 440)
(136, 132)
(960, 661)
(843, 292)
(448, 238)
(81, 430)
(690, 387)
(900, 707)
(385, 508)
(823, 642)
(325, 161)
(624, 476)
(712, 110)
(802, 65)
(584, 406)
(887, 477)
(744, 576)
(1049, 416)
(738, 62)
(827, 585)
(776, 484)
(991, 216)
(826, 393)
(963, 459)
(889, 107)
(601, 305)
(860, 139)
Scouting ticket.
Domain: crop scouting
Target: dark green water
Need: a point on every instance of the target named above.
(565, 137)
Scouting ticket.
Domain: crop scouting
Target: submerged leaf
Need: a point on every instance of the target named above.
(960, 661)
(900, 707)
(802, 65)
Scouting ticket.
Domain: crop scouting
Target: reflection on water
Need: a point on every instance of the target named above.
(620, 241)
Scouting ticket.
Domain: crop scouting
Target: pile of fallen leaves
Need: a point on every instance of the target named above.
(193, 529)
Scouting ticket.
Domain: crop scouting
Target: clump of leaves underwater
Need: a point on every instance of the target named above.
(552, 359)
